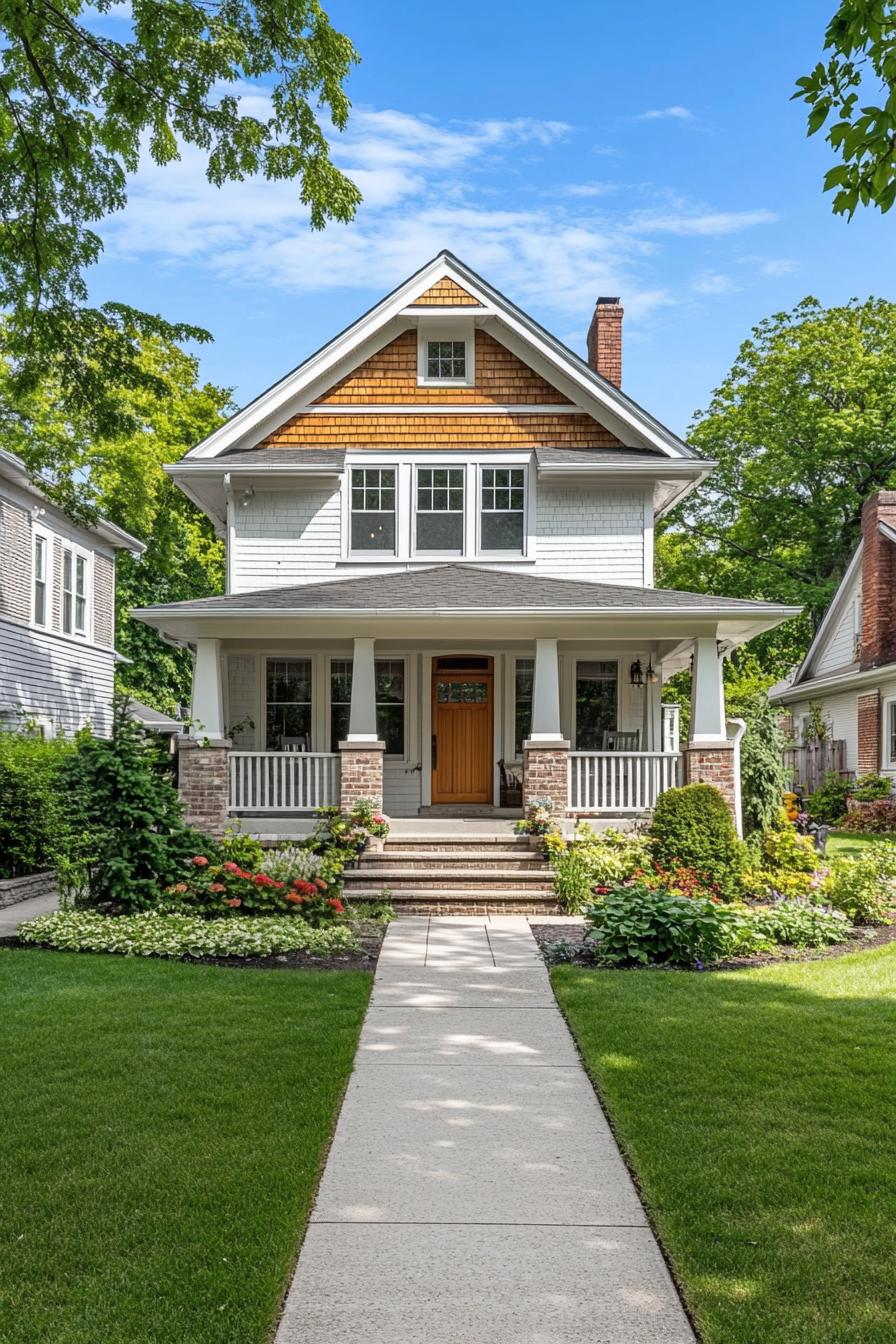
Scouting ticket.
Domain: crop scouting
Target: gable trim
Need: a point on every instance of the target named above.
(594, 394)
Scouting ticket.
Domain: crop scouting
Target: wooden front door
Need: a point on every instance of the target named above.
(462, 733)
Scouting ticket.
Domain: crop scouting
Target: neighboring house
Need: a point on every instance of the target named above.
(439, 539)
(849, 671)
(57, 609)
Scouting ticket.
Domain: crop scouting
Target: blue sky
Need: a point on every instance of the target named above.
(564, 151)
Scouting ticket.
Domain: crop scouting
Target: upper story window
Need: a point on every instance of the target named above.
(373, 509)
(446, 359)
(74, 592)
(446, 353)
(41, 581)
(502, 509)
(439, 523)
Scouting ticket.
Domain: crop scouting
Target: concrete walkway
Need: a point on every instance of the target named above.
(474, 1192)
(11, 916)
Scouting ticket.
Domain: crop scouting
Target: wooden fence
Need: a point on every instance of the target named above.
(808, 766)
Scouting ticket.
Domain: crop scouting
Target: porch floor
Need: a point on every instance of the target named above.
(273, 827)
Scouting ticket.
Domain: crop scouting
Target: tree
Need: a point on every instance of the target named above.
(861, 38)
(122, 478)
(804, 429)
(78, 111)
(763, 775)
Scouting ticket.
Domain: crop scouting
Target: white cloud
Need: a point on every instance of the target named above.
(666, 114)
(779, 266)
(713, 282)
(698, 221)
(586, 189)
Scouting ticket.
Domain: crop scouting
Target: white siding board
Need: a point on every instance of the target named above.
(65, 682)
(590, 533)
(839, 647)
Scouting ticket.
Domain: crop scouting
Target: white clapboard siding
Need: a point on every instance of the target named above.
(62, 683)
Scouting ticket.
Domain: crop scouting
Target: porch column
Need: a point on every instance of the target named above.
(546, 752)
(709, 756)
(361, 775)
(203, 776)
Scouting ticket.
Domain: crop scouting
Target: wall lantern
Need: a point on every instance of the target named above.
(650, 675)
(635, 675)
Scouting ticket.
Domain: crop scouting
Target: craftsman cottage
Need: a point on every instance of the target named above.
(440, 593)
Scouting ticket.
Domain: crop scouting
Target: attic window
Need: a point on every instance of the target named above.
(446, 360)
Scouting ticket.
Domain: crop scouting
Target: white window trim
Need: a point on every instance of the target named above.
(464, 467)
(76, 552)
(47, 539)
(889, 760)
(523, 552)
(447, 331)
(384, 557)
(332, 658)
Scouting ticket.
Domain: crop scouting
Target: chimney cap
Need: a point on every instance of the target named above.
(605, 299)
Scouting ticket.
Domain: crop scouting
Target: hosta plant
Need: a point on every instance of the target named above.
(637, 925)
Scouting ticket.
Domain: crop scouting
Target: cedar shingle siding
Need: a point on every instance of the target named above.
(390, 377)
(450, 431)
(444, 294)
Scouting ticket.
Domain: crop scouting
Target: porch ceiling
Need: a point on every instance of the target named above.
(449, 601)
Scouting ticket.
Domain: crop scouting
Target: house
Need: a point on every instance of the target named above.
(848, 675)
(439, 535)
(57, 609)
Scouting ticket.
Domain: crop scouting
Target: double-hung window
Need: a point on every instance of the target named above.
(596, 703)
(41, 584)
(288, 688)
(440, 510)
(373, 509)
(389, 678)
(74, 592)
(502, 509)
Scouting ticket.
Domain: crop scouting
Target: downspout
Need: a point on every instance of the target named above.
(740, 728)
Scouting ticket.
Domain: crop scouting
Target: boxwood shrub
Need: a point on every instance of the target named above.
(692, 828)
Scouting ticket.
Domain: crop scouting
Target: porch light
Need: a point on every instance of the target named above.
(635, 675)
(650, 675)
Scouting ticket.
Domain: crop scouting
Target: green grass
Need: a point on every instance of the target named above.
(847, 845)
(163, 1130)
(758, 1110)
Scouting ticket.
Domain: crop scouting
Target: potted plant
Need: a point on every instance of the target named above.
(538, 822)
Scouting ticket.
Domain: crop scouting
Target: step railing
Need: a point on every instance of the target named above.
(620, 781)
(283, 781)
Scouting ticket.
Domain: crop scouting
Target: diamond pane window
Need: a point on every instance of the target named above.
(446, 359)
(373, 509)
(502, 516)
(440, 509)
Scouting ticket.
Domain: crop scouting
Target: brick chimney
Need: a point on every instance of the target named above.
(605, 340)
(877, 644)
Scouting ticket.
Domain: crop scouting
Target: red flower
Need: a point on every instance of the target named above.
(180, 888)
(294, 897)
(601, 891)
(265, 880)
(230, 867)
(307, 888)
(200, 860)
(320, 884)
(379, 819)
(234, 901)
(337, 905)
(217, 886)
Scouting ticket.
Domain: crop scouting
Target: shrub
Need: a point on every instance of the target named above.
(828, 804)
(32, 821)
(592, 860)
(636, 925)
(692, 828)
(763, 775)
(864, 888)
(871, 788)
(872, 819)
(784, 850)
(573, 879)
(151, 934)
(237, 847)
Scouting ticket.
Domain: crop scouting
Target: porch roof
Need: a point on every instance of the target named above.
(441, 592)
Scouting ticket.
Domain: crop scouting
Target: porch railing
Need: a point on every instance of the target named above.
(620, 781)
(283, 781)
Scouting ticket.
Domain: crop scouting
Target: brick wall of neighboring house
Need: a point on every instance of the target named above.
(445, 293)
(103, 600)
(545, 774)
(15, 561)
(868, 761)
(390, 378)
(711, 765)
(447, 431)
(878, 639)
(361, 774)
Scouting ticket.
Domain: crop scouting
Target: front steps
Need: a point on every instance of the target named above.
(427, 874)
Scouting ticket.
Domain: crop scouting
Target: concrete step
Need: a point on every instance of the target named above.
(461, 901)
(440, 877)
(475, 844)
(514, 859)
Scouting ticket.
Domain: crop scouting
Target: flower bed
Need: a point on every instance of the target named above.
(157, 935)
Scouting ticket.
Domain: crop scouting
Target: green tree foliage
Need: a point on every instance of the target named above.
(763, 777)
(804, 429)
(78, 112)
(854, 93)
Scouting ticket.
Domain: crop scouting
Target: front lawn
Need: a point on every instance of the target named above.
(849, 844)
(163, 1129)
(757, 1110)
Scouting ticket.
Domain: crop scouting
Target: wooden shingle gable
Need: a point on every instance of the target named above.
(445, 293)
(501, 430)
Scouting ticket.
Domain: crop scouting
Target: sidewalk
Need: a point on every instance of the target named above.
(474, 1192)
(11, 916)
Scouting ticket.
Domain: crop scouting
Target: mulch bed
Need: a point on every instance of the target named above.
(863, 940)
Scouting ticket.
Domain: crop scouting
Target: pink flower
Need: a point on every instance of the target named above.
(217, 886)
(234, 901)
(200, 861)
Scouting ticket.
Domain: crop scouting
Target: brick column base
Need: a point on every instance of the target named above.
(712, 765)
(204, 783)
(361, 774)
(868, 761)
(545, 774)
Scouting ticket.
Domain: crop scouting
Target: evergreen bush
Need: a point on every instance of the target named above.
(693, 828)
(763, 775)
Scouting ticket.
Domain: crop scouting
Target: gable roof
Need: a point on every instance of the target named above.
(13, 469)
(596, 395)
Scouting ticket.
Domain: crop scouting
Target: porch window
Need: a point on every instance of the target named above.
(373, 509)
(446, 360)
(525, 673)
(40, 580)
(596, 703)
(288, 704)
(502, 509)
(440, 509)
(389, 676)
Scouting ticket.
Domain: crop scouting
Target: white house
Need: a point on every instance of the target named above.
(439, 539)
(57, 609)
(849, 672)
